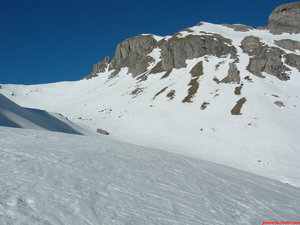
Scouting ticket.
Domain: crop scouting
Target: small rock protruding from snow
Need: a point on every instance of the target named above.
(233, 74)
(101, 131)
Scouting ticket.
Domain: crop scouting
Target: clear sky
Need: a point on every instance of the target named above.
(44, 41)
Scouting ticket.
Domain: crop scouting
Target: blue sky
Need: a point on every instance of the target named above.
(43, 41)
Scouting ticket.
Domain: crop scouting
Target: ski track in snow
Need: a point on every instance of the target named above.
(55, 178)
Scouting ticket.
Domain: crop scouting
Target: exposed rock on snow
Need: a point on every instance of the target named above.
(171, 94)
(233, 74)
(264, 58)
(239, 27)
(161, 91)
(101, 131)
(237, 90)
(288, 44)
(279, 103)
(176, 50)
(236, 110)
(204, 105)
(293, 60)
(133, 53)
(197, 70)
(194, 85)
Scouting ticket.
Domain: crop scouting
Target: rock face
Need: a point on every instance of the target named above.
(293, 60)
(175, 51)
(285, 19)
(133, 53)
(288, 44)
(264, 58)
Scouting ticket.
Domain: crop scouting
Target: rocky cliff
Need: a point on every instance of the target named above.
(135, 53)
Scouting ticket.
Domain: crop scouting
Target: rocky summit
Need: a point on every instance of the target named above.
(285, 19)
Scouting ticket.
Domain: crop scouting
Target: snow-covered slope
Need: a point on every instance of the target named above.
(13, 115)
(152, 109)
(55, 178)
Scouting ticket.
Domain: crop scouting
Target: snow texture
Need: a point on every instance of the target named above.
(54, 178)
(12, 115)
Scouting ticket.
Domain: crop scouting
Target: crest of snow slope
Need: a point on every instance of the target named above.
(263, 140)
(55, 178)
(12, 115)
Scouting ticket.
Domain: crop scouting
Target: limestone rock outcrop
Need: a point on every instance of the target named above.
(176, 50)
(264, 58)
(133, 53)
(288, 44)
(285, 19)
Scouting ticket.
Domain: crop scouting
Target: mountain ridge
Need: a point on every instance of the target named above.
(12, 115)
(133, 52)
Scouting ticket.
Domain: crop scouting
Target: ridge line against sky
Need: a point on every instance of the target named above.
(43, 41)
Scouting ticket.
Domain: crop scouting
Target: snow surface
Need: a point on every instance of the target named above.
(55, 178)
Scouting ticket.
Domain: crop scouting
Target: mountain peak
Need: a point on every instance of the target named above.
(285, 19)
